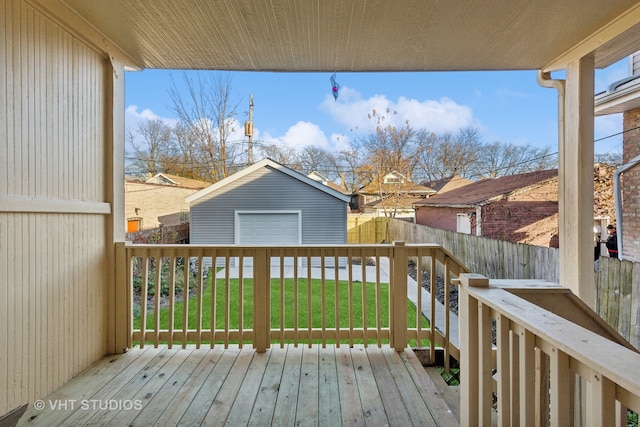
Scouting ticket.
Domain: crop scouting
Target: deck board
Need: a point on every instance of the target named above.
(314, 386)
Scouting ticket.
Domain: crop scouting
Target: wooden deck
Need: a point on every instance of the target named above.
(283, 387)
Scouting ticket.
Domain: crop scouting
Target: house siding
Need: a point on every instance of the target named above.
(631, 188)
(324, 217)
(53, 215)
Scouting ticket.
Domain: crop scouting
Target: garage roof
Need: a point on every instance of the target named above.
(271, 164)
(356, 35)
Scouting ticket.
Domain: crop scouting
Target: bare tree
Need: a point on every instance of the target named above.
(501, 159)
(206, 115)
(446, 155)
(153, 145)
(316, 159)
(284, 155)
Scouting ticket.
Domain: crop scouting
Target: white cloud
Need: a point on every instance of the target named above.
(132, 116)
(443, 115)
(298, 136)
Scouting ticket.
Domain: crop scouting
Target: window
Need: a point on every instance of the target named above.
(133, 225)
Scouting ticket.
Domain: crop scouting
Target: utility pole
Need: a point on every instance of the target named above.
(248, 129)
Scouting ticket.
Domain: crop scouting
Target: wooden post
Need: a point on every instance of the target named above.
(471, 368)
(575, 158)
(399, 268)
(122, 306)
(261, 302)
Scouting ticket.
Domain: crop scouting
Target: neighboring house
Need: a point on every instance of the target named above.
(623, 97)
(342, 188)
(158, 200)
(519, 208)
(268, 204)
(447, 184)
(392, 196)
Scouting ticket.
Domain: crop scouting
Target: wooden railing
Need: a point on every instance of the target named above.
(537, 368)
(267, 295)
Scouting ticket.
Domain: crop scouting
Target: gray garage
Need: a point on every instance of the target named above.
(268, 204)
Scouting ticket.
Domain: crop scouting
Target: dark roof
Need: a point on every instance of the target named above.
(447, 184)
(480, 192)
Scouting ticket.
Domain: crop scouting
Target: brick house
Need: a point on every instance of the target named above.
(159, 196)
(519, 208)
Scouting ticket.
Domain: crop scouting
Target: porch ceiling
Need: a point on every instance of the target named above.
(361, 35)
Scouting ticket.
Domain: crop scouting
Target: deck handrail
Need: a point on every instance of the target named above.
(148, 274)
(539, 365)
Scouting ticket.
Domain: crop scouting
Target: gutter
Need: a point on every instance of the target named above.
(617, 193)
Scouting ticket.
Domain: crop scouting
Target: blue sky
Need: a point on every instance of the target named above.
(298, 109)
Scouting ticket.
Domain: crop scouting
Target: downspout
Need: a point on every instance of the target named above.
(617, 194)
(545, 80)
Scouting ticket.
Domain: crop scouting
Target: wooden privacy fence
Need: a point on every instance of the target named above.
(542, 368)
(266, 295)
(367, 229)
(617, 282)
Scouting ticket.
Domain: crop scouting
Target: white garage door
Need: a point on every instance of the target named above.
(268, 228)
(276, 228)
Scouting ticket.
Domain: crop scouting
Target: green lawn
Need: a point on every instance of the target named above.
(289, 303)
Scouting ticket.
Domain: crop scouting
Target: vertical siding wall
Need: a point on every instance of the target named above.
(52, 215)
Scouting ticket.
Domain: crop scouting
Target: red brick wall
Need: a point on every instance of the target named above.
(631, 187)
(442, 218)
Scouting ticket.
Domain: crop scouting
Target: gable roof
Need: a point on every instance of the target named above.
(267, 163)
(176, 180)
(481, 192)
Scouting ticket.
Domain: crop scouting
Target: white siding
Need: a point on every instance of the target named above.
(53, 218)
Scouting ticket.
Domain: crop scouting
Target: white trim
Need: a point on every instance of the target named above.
(237, 213)
(47, 205)
(261, 164)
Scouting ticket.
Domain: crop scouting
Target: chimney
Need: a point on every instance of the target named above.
(408, 176)
(342, 184)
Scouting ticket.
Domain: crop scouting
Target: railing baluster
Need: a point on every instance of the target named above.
(447, 314)
(309, 306)
(527, 377)
(485, 372)
(365, 326)
(504, 377)
(432, 323)
(214, 291)
(227, 296)
(336, 300)
(560, 378)
(186, 268)
(172, 295)
(282, 291)
(156, 299)
(241, 299)
(350, 295)
(378, 301)
(143, 297)
(200, 295)
(323, 298)
(602, 403)
(296, 323)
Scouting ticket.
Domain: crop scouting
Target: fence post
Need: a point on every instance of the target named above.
(261, 299)
(399, 267)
